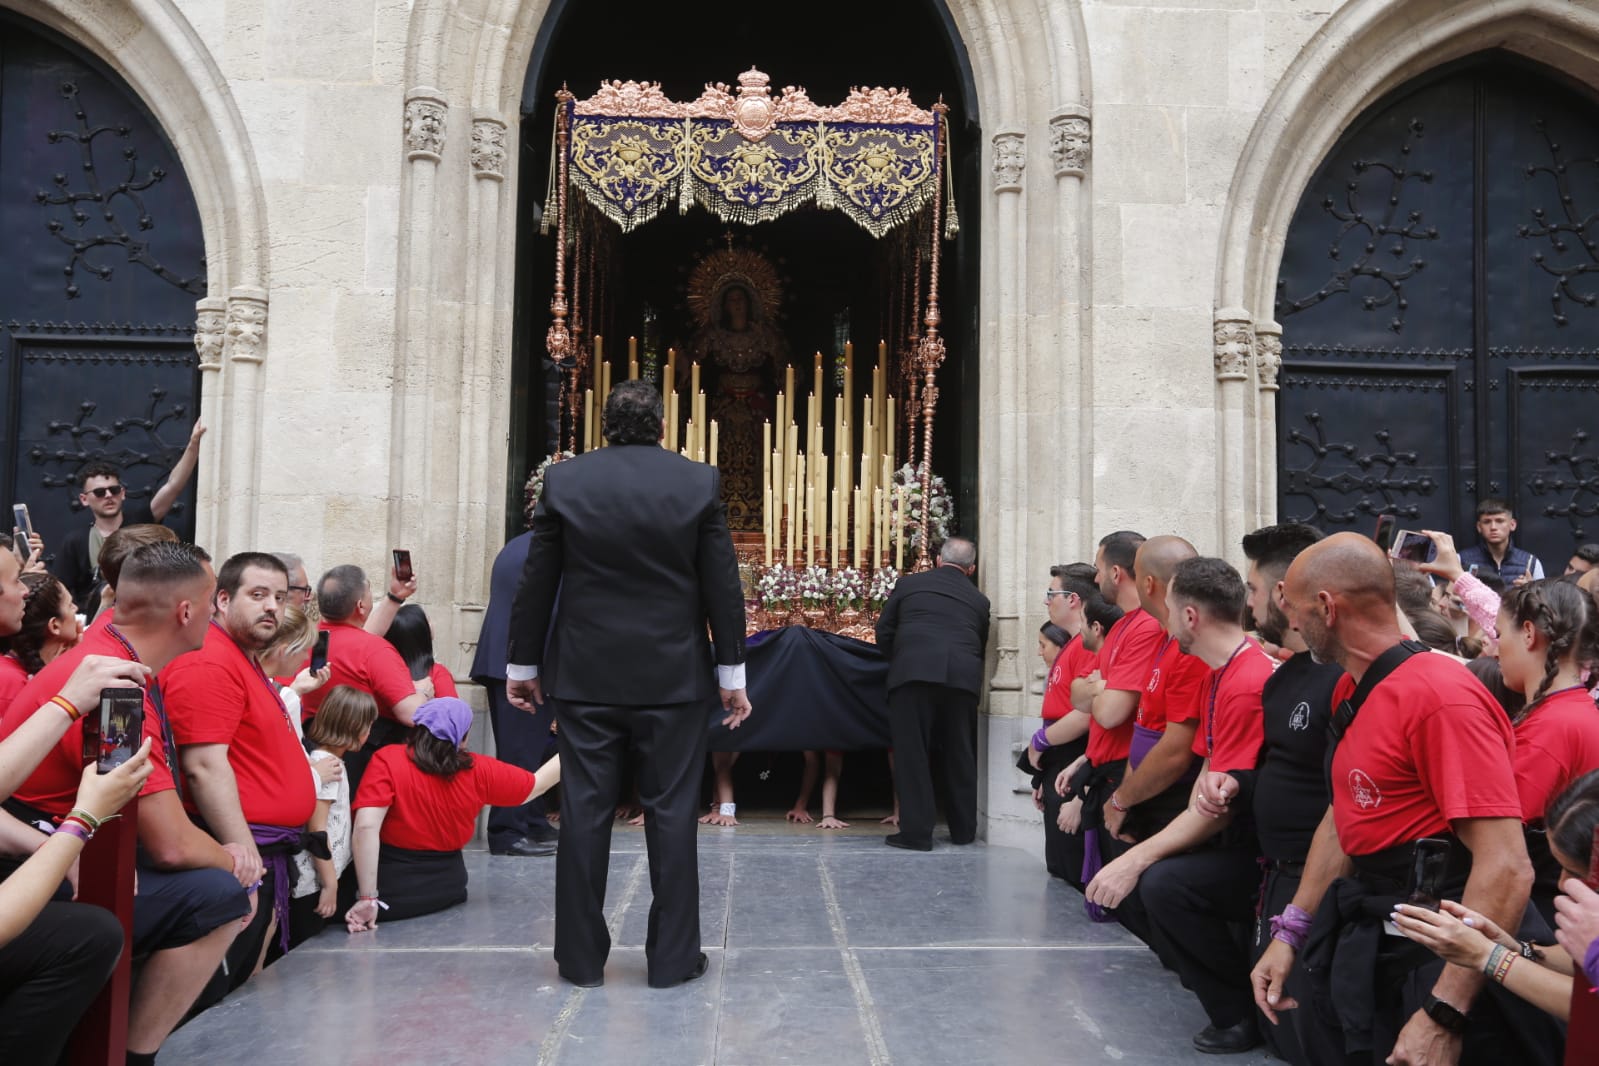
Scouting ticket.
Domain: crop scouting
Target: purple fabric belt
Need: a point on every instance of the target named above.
(1092, 863)
(1590, 962)
(1144, 740)
(275, 836)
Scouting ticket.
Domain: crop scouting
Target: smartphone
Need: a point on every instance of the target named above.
(402, 564)
(1384, 533)
(1411, 547)
(1429, 866)
(20, 520)
(111, 737)
(319, 651)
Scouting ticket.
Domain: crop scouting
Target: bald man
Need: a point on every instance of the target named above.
(1425, 754)
(1160, 763)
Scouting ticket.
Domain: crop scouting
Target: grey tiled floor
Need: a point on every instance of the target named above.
(825, 950)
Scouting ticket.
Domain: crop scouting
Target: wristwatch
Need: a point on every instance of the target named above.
(1449, 1017)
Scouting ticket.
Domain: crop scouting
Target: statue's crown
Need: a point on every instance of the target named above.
(753, 79)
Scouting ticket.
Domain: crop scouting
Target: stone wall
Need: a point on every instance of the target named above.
(352, 166)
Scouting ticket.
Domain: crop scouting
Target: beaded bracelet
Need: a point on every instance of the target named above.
(73, 714)
(1496, 958)
(1502, 970)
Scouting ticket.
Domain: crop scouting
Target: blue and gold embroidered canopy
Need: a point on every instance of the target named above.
(752, 157)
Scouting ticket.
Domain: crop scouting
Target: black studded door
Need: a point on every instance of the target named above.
(103, 262)
(1438, 297)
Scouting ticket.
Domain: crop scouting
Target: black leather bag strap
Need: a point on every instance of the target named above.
(1344, 714)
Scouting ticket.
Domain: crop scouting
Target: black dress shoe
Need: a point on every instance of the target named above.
(900, 840)
(543, 834)
(524, 848)
(596, 983)
(1233, 1040)
(693, 975)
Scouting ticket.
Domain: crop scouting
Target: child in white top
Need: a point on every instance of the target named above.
(341, 725)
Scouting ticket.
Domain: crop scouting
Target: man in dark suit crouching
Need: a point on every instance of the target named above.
(635, 540)
(934, 630)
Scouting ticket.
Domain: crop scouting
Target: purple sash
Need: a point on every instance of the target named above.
(1144, 740)
(1092, 863)
(282, 873)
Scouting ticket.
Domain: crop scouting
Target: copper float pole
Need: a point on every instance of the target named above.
(913, 338)
(559, 338)
(932, 347)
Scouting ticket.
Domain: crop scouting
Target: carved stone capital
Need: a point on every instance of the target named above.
(425, 113)
(1010, 159)
(210, 331)
(245, 337)
(1070, 137)
(1235, 345)
(488, 148)
(1268, 355)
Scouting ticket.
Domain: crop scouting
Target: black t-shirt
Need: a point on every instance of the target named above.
(73, 567)
(1290, 786)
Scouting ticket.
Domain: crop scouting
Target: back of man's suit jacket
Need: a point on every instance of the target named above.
(934, 628)
(635, 540)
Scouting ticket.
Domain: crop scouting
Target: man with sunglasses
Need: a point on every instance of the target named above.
(105, 497)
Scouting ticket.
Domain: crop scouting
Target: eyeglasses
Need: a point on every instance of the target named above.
(1050, 594)
(304, 590)
(107, 490)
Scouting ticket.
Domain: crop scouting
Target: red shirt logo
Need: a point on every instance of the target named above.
(1154, 680)
(1364, 790)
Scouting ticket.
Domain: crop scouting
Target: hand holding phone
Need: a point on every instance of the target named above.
(1429, 867)
(114, 733)
(319, 652)
(402, 566)
(1384, 533)
(1411, 547)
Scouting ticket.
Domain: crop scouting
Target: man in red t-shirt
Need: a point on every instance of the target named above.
(241, 757)
(1160, 765)
(1427, 755)
(190, 889)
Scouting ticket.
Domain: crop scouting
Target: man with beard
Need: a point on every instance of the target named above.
(248, 779)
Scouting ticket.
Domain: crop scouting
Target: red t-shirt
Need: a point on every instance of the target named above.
(1176, 687)
(218, 696)
(1429, 746)
(53, 785)
(1232, 728)
(431, 813)
(106, 616)
(1125, 660)
(13, 679)
(1074, 661)
(443, 683)
(366, 662)
(1555, 744)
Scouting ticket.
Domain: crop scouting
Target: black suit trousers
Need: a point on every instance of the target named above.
(668, 750)
(520, 739)
(1200, 907)
(920, 714)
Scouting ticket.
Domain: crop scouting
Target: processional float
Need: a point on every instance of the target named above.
(628, 153)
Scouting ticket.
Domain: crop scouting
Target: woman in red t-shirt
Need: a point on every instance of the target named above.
(412, 636)
(1548, 633)
(416, 809)
(49, 627)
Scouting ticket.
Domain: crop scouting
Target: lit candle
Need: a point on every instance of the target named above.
(798, 502)
(694, 379)
(766, 510)
(713, 442)
(860, 527)
(588, 418)
(632, 359)
(810, 525)
(899, 530)
(816, 389)
(834, 527)
(878, 525)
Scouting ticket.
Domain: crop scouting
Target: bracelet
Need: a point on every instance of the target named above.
(1117, 804)
(73, 714)
(1040, 741)
(371, 899)
(394, 599)
(1495, 957)
(1502, 969)
(74, 828)
(1529, 950)
(89, 821)
(728, 810)
(1292, 927)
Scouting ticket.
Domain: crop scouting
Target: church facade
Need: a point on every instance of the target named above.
(1146, 168)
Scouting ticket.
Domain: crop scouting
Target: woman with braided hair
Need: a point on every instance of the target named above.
(1548, 641)
(49, 627)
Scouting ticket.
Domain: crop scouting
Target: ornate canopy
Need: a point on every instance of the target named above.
(751, 157)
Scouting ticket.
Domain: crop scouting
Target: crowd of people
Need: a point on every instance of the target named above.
(1351, 800)
(302, 759)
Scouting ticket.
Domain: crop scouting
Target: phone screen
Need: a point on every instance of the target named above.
(20, 519)
(1384, 533)
(1412, 547)
(1429, 865)
(111, 737)
(319, 651)
(402, 564)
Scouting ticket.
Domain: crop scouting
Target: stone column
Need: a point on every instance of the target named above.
(1268, 361)
(1073, 384)
(210, 337)
(477, 501)
(245, 349)
(410, 427)
(1005, 535)
(1235, 353)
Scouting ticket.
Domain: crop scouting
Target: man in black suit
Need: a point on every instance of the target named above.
(934, 631)
(519, 739)
(635, 540)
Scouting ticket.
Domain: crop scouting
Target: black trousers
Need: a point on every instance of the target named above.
(1286, 1039)
(49, 974)
(1200, 908)
(920, 715)
(668, 749)
(1063, 852)
(520, 739)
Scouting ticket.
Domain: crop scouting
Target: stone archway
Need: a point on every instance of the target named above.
(1366, 50)
(151, 45)
(466, 62)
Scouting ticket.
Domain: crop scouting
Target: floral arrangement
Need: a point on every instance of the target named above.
(884, 578)
(941, 507)
(849, 589)
(814, 586)
(777, 587)
(535, 485)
